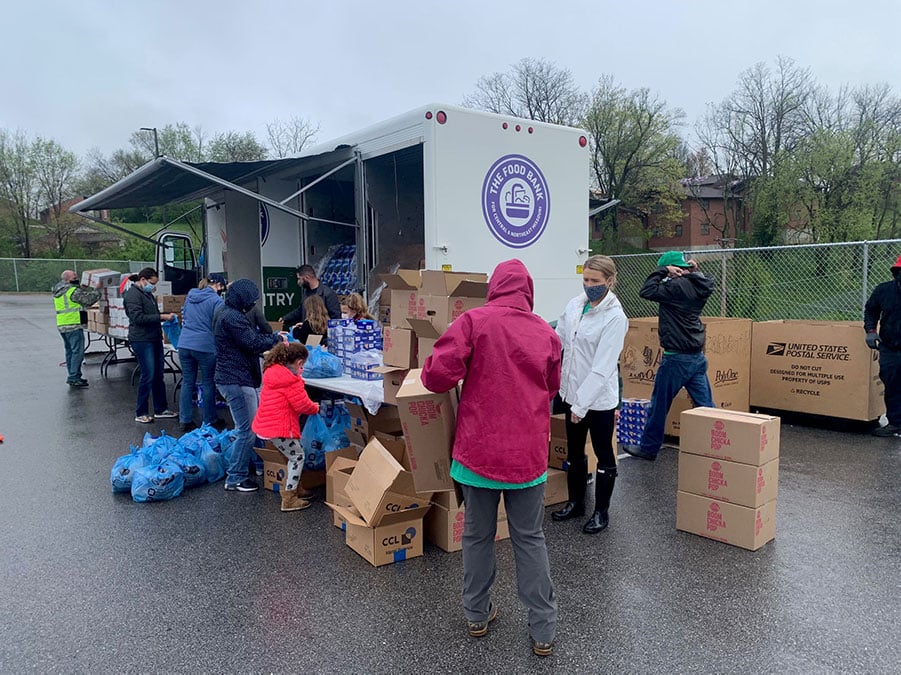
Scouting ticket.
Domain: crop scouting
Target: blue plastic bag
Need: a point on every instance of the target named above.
(214, 464)
(157, 448)
(123, 470)
(157, 482)
(322, 364)
(191, 465)
(319, 437)
(172, 329)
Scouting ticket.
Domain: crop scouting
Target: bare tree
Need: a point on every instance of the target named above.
(534, 89)
(56, 169)
(288, 137)
(19, 186)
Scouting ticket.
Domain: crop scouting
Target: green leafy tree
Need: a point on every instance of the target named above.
(19, 187)
(56, 169)
(233, 146)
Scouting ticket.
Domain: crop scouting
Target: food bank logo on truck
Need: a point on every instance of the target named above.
(515, 201)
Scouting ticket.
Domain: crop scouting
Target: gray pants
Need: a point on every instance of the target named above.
(525, 516)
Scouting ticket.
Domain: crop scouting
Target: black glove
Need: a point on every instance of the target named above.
(873, 340)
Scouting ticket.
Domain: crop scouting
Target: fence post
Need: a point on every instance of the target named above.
(865, 277)
(723, 285)
(16, 275)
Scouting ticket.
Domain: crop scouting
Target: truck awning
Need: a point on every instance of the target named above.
(165, 181)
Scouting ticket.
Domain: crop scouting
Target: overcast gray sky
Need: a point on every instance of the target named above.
(88, 73)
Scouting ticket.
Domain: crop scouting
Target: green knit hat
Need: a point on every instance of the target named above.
(673, 258)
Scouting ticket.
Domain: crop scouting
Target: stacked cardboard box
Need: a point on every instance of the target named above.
(816, 367)
(100, 278)
(384, 521)
(558, 447)
(728, 476)
(444, 522)
(364, 425)
(118, 319)
(728, 351)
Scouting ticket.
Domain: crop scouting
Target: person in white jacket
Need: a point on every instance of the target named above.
(592, 328)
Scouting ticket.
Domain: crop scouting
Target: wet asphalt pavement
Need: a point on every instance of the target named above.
(225, 582)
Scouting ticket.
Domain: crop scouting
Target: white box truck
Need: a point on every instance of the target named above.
(440, 187)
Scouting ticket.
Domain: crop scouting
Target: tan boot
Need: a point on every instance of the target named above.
(291, 501)
(305, 494)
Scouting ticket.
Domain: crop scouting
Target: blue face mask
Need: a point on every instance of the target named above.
(595, 293)
(149, 288)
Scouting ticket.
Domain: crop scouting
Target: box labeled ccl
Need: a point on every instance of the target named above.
(742, 484)
(728, 351)
(729, 523)
(735, 436)
(558, 448)
(816, 367)
(398, 537)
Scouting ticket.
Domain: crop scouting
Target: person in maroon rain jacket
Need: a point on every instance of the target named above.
(509, 361)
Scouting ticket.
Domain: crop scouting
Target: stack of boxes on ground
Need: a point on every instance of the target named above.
(633, 415)
(728, 476)
(109, 317)
(728, 352)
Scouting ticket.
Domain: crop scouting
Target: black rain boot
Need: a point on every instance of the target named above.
(575, 507)
(603, 488)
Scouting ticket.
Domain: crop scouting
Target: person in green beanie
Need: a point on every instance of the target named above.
(681, 290)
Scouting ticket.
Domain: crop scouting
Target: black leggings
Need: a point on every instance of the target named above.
(600, 424)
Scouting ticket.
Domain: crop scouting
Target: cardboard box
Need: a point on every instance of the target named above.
(363, 425)
(426, 337)
(729, 523)
(446, 295)
(428, 423)
(399, 347)
(100, 278)
(444, 527)
(555, 490)
(171, 303)
(399, 536)
(336, 476)
(392, 378)
(734, 436)
(380, 486)
(558, 449)
(816, 367)
(728, 352)
(454, 500)
(275, 466)
(732, 482)
(402, 289)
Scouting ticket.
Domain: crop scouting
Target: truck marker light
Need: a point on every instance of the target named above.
(441, 117)
(582, 141)
(518, 128)
(531, 130)
(505, 125)
(428, 115)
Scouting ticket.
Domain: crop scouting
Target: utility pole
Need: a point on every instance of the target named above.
(156, 140)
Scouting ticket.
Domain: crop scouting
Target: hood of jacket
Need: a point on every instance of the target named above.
(61, 288)
(199, 296)
(511, 286)
(279, 376)
(242, 295)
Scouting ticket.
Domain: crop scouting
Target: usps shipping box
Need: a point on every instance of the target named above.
(734, 436)
(729, 523)
(429, 422)
(743, 484)
(728, 351)
(816, 367)
(444, 527)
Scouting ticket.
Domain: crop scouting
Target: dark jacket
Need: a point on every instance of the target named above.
(238, 344)
(884, 308)
(681, 301)
(298, 315)
(305, 330)
(197, 320)
(509, 361)
(143, 316)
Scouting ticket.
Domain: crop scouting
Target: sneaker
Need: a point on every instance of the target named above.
(636, 451)
(78, 384)
(479, 629)
(542, 648)
(144, 419)
(887, 431)
(246, 485)
(166, 414)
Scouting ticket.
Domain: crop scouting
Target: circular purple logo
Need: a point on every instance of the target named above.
(515, 201)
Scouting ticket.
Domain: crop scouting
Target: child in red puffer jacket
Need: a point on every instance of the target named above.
(282, 400)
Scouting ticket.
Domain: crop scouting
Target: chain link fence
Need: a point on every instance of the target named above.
(825, 282)
(38, 275)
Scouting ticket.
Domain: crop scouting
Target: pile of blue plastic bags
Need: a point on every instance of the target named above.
(164, 466)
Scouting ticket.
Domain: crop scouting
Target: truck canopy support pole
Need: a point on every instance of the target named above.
(319, 180)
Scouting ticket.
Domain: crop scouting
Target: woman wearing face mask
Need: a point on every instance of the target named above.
(592, 328)
(197, 350)
(145, 336)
